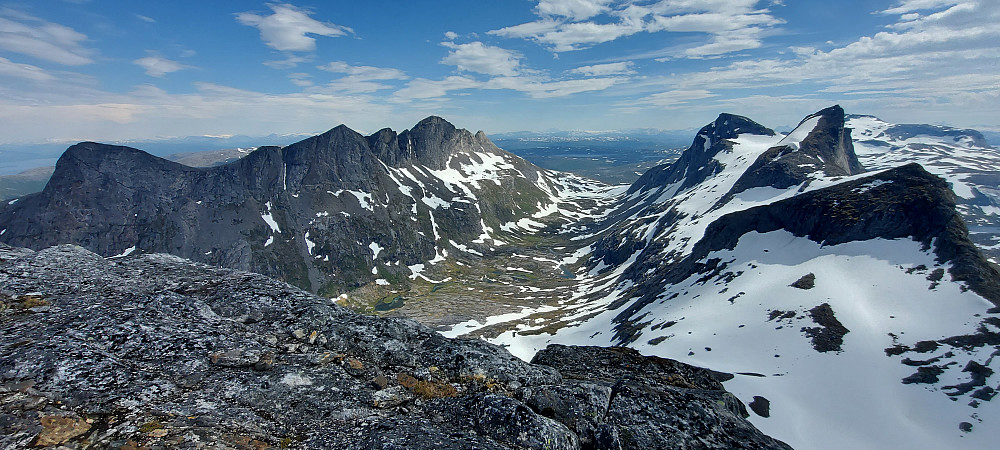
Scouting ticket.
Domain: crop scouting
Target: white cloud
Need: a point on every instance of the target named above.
(146, 19)
(676, 98)
(572, 9)
(287, 29)
(27, 71)
(567, 25)
(290, 61)
(422, 88)
(480, 58)
(29, 35)
(158, 66)
(360, 79)
(366, 72)
(536, 88)
(600, 70)
(149, 112)
(451, 35)
(906, 6)
(300, 79)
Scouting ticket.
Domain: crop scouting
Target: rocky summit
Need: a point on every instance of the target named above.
(156, 351)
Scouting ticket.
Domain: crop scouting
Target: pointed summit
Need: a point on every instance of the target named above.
(820, 142)
(698, 162)
(432, 140)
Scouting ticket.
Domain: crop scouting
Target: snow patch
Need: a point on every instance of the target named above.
(128, 251)
(269, 219)
(309, 244)
(376, 249)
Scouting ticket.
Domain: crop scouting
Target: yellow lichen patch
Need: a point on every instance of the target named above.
(406, 381)
(678, 380)
(355, 364)
(58, 429)
(150, 426)
(426, 389)
(31, 301)
(246, 442)
(434, 389)
(133, 445)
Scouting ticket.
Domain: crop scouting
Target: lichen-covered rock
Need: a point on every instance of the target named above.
(157, 351)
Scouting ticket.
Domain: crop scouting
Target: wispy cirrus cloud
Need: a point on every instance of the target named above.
(156, 65)
(25, 71)
(360, 79)
(569, 25)
(38, 38)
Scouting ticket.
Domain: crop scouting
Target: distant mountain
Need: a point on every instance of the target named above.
(330, 213)
(554, 136)
(15, 158)
(23, 183)
(33, 180)
(960, 156)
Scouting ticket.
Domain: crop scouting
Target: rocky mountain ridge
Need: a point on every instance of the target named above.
(330, 213)
(156, 351)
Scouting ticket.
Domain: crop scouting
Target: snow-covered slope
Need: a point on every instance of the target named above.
(960, 156)
(851, 302)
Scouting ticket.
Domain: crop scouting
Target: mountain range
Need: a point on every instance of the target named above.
(831, 269)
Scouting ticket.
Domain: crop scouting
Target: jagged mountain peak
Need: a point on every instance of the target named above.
(729, 126)
(820, 144)
(431, 121)
(329, 213)
(698, 161)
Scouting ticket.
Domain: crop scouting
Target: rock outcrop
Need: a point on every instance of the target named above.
(153, 350)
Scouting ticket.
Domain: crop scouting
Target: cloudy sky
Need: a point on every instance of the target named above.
(118, 69)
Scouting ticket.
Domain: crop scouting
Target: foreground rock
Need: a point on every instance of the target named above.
(159, 351)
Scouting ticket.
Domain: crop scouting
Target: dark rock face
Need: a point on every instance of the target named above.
(827, 147)
(697, 162)
(760, 406)
(306, 213)
(617, 398)
(153, 350)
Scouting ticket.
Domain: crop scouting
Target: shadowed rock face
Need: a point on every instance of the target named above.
(305, 213)
(827, 147)
(159, 351)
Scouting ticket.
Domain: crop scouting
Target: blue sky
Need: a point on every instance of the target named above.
(113, 69)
